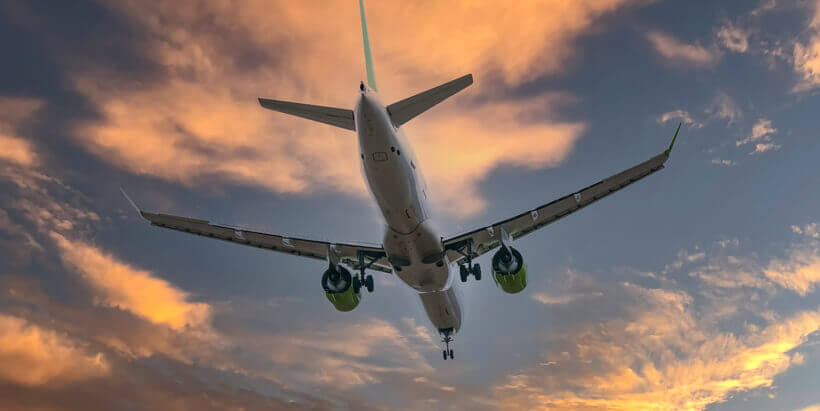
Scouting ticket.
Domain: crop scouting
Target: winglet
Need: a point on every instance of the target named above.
(133, 204)
(669, 150)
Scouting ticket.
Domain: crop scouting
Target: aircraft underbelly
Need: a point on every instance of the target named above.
(443, 309)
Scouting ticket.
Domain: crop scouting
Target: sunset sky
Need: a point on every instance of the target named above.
(696, 288)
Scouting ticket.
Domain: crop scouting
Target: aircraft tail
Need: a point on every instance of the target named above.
(407, 109)
(368, 57)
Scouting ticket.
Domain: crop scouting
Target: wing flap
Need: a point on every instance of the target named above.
(349, 253)
(488, 238)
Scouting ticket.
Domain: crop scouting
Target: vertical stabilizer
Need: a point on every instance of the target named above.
(368, 57)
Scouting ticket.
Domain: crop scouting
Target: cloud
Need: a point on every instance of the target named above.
(34, 356)
(724, 107)
(809, 230)
(799, 272)
(764, 147)
(16, 150)
(674, 50)
(762, 130)
(562, 299)
(199, 121)
(807, 64)
(681, 115)
(734, 38)
(119, 285)
(806, 55)
(728, 163)
(13, 112)
(662, 355)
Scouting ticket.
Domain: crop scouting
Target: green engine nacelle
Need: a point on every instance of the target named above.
(339, 289)
(511, 283)
(345, 301)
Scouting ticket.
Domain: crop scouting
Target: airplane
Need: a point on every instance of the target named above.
(412, 246)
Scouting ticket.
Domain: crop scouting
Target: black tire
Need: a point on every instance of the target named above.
(463, 272)
(445, 354)
(368, 282)
(451, 354)
(477, 272)
(357, 285)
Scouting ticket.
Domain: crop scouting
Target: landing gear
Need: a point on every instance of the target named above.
(363, 279)
(448, 338)
(465, 272)
(468, 267)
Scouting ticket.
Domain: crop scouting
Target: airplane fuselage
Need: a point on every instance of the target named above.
(411, 241)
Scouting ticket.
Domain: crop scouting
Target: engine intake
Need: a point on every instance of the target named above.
(338, 285)
(509, 270)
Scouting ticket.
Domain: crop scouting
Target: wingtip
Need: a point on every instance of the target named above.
(672, 144)
(133, 204)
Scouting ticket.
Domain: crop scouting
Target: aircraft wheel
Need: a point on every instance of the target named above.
(463, 272)
(477, 272)
(451, 354)
(357, 285)
(368, 282)
(445, 354)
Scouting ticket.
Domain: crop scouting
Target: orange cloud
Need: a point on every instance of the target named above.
(200, 119)
(663, 357)
(127, 288)
(13, 111)
(799, 273)
(33, 356)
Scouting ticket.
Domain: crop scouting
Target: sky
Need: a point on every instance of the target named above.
(693, 289)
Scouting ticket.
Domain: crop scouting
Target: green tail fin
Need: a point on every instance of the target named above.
(368, 57)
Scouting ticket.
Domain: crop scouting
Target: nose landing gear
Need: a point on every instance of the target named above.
(448, 338)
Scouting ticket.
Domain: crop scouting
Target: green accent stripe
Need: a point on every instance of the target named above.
(368, 57)
(672, 144)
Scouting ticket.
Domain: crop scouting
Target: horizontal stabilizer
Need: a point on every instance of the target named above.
(329, 115)
(407, 109)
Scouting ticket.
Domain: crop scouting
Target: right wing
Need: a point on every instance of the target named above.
(338, 117)
(484, 239)
(374, 257)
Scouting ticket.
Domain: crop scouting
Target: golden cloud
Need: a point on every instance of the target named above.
(663, 357)
(34, 356)
(130, 289)
(13, 111)
(200, 119)
(799, 273)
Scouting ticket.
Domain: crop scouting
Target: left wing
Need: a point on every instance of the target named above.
(482, 240)
(373, 257)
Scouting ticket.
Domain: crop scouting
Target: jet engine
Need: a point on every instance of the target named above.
(509, 270)
(339, 289)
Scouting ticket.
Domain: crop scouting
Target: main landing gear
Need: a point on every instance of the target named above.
(448, 338)
(468, 267)
(363, 279)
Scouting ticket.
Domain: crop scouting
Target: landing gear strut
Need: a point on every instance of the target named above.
(448, 338)
(363, 279)
(467, 268)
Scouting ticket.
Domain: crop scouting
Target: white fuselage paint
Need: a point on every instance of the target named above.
(394, 178)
